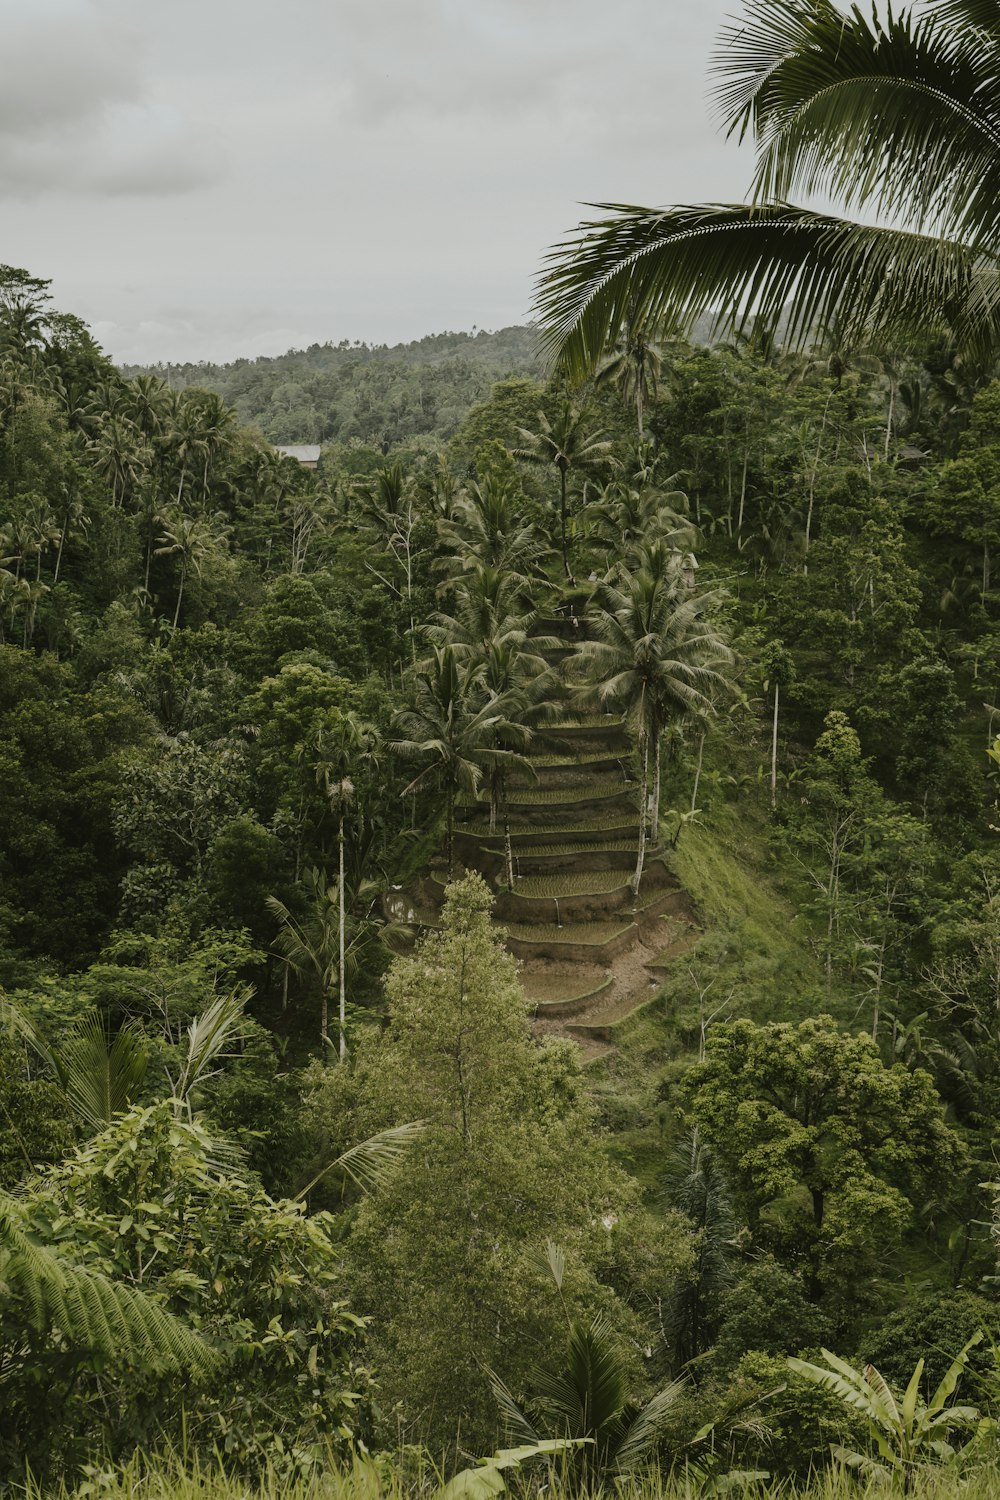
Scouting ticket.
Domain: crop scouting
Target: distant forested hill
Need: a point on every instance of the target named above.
(376, 394)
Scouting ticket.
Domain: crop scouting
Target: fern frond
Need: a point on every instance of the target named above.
(108, 1320)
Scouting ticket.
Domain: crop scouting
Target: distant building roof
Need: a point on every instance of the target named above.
(305, 453)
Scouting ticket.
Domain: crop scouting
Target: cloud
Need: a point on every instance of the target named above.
(78, 112)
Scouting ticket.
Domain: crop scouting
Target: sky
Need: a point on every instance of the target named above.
(202, 179)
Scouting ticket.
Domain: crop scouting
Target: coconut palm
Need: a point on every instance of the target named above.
(191, 539)
(520, 685)
(489, 607)
(100, 1076)
(894, 115)
(634, 366)
(450, 731)
(566, 443)
(623, 516)
(655, 654)
(582, 1395)
(344, 743)
(487, 528)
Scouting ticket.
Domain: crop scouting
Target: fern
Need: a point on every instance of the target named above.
(110, 1321)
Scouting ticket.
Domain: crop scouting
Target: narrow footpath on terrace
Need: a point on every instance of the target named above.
(591, 951)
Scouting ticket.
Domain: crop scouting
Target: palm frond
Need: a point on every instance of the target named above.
(517, 1428)
(894, 112)
(642, 1436)
(775, 262)
(587, 1392)
(102, 1077)
(370, 1162)
(209, 1034)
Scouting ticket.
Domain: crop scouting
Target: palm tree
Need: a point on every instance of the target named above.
(566, 443)
(489, 607)
(634, 365)
(450, 731)
(99, 1076)
(895, 115)
(487, 528)
(342, 745)
(310, 944)
(520, 688)
(697, 1188)
(582, 1395)
(655, 654)
(191, 539)
(623, 516)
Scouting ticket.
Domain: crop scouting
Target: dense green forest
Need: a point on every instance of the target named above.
(289, 1169)
(364, 393)
(500, 935)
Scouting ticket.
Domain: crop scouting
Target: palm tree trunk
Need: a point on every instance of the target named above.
(451, 834)
(59, 553)
(562, 521)
(343, 987)
(774, 752)
(697, 773)
(655, 830)
(637, 877)
(508, 845)
(180, 595)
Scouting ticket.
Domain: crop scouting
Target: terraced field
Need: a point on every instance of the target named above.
(592, 950)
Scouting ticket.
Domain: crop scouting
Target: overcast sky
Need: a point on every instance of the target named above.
(203, 179)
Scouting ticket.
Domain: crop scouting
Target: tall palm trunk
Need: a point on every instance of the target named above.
(508, 846)
(774, 752)
(697, 772)
(343, 986)
(180, 596)
(451, 833)
(563, 520)
(637, 877)
(655, 829)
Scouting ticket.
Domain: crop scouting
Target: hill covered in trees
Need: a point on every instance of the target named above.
(339, 808)
(371, 393)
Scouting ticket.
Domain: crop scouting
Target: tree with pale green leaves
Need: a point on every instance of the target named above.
(445, 1258)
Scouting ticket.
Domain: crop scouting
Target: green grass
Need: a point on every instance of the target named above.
(586, 721)
(569, 851)
(567, 762)
(755, 958)
(598, 789)
(594, 933)
(554, 989)
(381, 1478)
(587, 883)
(593, 823)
